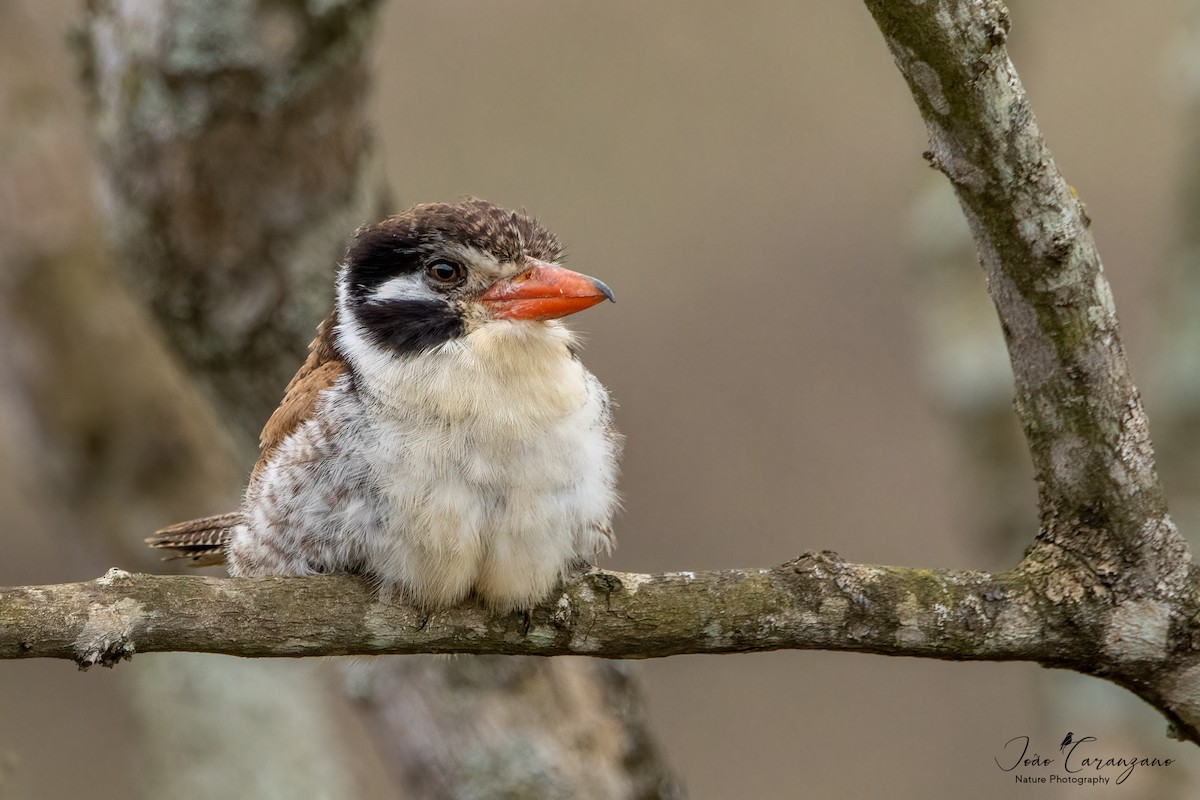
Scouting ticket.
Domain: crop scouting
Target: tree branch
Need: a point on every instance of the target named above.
(814, 602)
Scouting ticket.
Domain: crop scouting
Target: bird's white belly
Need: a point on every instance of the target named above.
(493, 483)
(497, 467)
(469, 508)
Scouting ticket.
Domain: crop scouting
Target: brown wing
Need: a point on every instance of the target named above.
(321, 370)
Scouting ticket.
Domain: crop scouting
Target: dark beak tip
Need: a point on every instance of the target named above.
(603, 287)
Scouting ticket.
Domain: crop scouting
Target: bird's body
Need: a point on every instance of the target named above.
(442, 438)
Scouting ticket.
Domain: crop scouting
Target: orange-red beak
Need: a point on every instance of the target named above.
(544, 291)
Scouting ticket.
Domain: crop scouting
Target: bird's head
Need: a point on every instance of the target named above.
(439, 272)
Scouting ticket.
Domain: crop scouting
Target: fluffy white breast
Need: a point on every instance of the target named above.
(486, 465)
(495, 454)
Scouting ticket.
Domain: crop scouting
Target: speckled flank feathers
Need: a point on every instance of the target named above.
(425, 443)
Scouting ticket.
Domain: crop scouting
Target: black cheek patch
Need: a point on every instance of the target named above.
(379, 255)
(409, 326)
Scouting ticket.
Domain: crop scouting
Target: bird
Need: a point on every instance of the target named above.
(443, 439)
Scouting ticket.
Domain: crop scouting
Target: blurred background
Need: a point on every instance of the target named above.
(802, 348)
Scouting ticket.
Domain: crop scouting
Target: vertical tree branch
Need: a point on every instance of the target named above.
(1083, 419)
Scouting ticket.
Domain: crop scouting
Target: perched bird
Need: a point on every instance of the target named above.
(443, 437)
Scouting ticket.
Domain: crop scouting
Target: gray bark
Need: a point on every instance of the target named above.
(815, 602)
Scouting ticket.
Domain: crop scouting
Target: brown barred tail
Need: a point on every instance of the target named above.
(203, 541)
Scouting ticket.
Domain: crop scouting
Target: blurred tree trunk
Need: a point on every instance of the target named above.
(41, 446)
(236, 157)
(104, 438)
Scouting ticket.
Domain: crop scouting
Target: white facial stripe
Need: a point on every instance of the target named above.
(404, 287)
(483, 270)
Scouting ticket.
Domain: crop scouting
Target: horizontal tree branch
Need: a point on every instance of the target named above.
(814, 602)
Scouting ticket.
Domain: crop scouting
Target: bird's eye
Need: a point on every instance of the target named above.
(446, 272)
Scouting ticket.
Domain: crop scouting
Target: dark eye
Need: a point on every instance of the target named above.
(446, 272)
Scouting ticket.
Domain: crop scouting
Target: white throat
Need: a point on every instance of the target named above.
(510, 374)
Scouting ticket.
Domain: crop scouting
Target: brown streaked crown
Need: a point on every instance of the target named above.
(404, 242)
